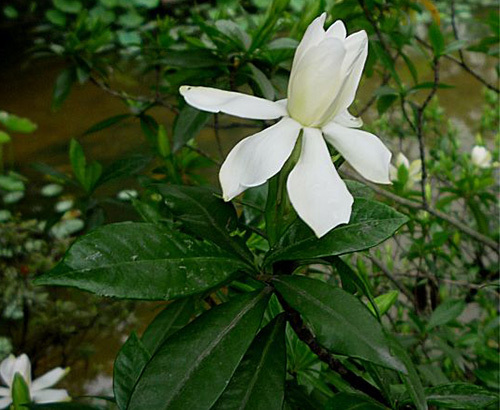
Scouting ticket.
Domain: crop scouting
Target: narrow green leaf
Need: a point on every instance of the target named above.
(349, 401)
(206, 215)
(259, 380)
(192, 368)
(106, 123)
(461, 396)
(436, 39)
(142, 261)
(371, 223)
(384, 302)
(163, 142)
(339, 320)
(446, 312)
(188, 125)
(125, 167)
(128, 366)
(167, 322)
(265, 86)
(62, 87)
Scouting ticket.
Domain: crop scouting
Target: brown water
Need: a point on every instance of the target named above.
(27, 92)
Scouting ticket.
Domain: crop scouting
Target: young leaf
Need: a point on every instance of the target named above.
(339, 320)
(446, 312)
(17, 124)
(142, 261)
(384, 302)
(371, 223)
(192, 368)
(188, 125)
(128, 366)
(86, 174)
(206, 215)
(259, 380)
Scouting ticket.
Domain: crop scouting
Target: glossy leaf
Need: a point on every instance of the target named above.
(371, 223)
(188, 125)
(461, 396)
(339, 320)
(128, 367)
(192, 368)
(205, 215)
(142, 261)
(259, 380)
(349, 401)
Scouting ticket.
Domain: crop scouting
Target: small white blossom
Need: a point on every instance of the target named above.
(481, 157)
(326, 71)
(414, 169)
(39, 389)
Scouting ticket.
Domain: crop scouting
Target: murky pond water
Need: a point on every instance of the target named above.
(27, 92)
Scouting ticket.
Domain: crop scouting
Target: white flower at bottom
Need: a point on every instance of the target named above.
(325, 74)
(39, 388)
(481, 157)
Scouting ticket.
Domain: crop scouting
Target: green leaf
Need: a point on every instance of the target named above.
(234, 33)
(190, 59)
(125, 167)
(339, 320)
(106, 123)
(56, 17)
(206, 215)
(128, 366)
(192, 368)
(163, 142)
(4, 137)
(371, 223)
(460, 396)
(167, 322)
(142, 261)
(17, 124)
(384, 302)
(149, 4)
(86, 174)
(68, 6)
(265, 86)
(61, 406)
(349, 401)
(446, 312)
(384, 102)
(131, 19)
(20, 392)
(62, 87)
(436, 39)
(259, 380)
(188, 125)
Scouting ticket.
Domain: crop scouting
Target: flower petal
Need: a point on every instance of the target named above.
(5, 402)
(49, 379)
(23, 367)
(337, 30)
(313, 35)
(7, 369)
(316, 191)
(314, 83)
(257, 158)
(50, 396)
(364, 151)
(346, 119)
(233, 103)
(4, 391)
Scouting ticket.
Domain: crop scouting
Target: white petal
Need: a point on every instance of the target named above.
(7, 369)
(49, 379)
(346, 119)
(230, 102)
(402, 160)
(23, 367)
(364, 151)
(316, 191)
(313, 35)
(4, 391)
(337, 29)
(5, 402)
(257, 158)
(50, 396)
(315, 82)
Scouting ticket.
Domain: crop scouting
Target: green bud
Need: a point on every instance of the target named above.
(20, 393)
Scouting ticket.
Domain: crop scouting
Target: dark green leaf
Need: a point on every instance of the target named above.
(192, 368)
(128, 366)
(108, 122)
(167, 322)
(125, 167)
(190, 59)
(86, 174)
(446, 312)
(436, 39)
(259, 380)
(62, 87)
(206, 215)
(188, 125)
(142, 261)
(339, 320)
(371, 223)
(349, 401)
(460, 396)
(384, 103)
(265, 86)
(62, 406)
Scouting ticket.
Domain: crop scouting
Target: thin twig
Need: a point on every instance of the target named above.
(419, 206)
(217, 136)
(385, 270)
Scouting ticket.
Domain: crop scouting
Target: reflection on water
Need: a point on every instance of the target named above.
(28, 92)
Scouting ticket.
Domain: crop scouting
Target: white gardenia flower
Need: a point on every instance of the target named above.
(38, 388)
(414, 169)
(325, 74)
(481, 157)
